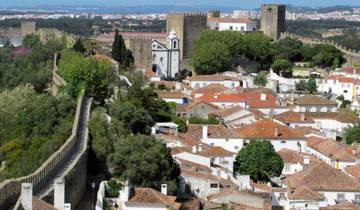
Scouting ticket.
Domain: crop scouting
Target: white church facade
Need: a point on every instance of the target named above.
(166, 59)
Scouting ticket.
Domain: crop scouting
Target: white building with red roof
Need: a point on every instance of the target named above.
(200, 81)
(340, 85)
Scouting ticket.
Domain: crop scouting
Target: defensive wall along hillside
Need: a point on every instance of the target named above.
(68, 162)
(352, 56)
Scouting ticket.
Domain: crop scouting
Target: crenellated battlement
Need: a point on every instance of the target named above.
(273, 5)
(184, 14)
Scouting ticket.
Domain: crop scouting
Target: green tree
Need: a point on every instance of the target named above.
(260, 80)
(32, 41)
(145, 162)
(119, 48)
(79, 47)
(301, 86)
(211, 58)
(352, 135)
(210, 121)
(311, 86)
(284, 66)
(259, 160)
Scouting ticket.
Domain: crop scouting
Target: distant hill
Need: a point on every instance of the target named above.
(145, 9)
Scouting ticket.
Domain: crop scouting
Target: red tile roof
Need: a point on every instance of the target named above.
(342, 206)
(314, 100)
(174, 95)
(149, 195)
(212, 78)
(304, 193)
(214, 131)
(266, 129)
(293, 117)
(334, 150)
(322, 177)
(354, 171)
(349, 70)
(252, 98)
(342, 79)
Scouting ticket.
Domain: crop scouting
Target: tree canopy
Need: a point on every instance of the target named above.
(85, 74)
(352, 135)
(259, 160)
(260, 80)
(145, 162)
(120, 53)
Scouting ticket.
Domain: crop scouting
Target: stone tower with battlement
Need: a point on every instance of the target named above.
(27, 28)
(273, 20)
(214, 14)
(187, 26)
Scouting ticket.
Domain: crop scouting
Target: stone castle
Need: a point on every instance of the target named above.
(273, 20)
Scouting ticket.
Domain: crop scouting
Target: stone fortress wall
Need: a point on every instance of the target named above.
(74, 175)
(352, 56)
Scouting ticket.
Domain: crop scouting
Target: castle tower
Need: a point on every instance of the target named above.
(214, 14)
(27, 28)
(187, 26)
(273, 20)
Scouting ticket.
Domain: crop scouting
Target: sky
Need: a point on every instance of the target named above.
(235, 3)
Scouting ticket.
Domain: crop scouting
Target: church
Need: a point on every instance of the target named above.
(166, 58)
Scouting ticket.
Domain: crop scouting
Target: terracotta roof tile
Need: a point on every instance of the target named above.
(214, 131)
(212, 88)
(354, 171)
(39, 204)
(228, 111)
(293, 117)
(340, 116)
(214, 77)
(342, 206)
(149, 195)
(197, 102)
(334, 150)
(322, 177)
(349, 70)
(312, 141)
(291, 156)
(304, 193)
(165, 94)
(267, 129)
(206, 176)
(314, 100)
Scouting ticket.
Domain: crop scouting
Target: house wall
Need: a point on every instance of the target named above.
(201, 110)
(273, 111)
(226, 162)
(330, 124)
(335, 87)
(330, 197)
(232, 145)
(175, 100)
(226, 83)
(314, 108)
(194, 158)
(200, 187)
(303, 205)
(160, 60)
(225, 104)
(291, 168)
(254, 201)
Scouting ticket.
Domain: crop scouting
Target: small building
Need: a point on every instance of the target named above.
(313, 103)
(232, 24)
(205, 80)
(166, 59)
(200, 109)
(294, 161)
(235, 116)
(340, 86)
(174, 97)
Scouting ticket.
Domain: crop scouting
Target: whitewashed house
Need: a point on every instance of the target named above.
(200, 81)
(294, 161)
(313, 103)
(231, 24)
(340, 85)
(235, 116)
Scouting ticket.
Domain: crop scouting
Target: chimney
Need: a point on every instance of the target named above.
(263, 97)
(302, 116)
(126, 192)
(276, 132)
(194, 149)
(177, 86)
(204, 131)
(59, 194)
(200, 147)
(26, 195)
(67, 206)
(306, 160)
(164, 189)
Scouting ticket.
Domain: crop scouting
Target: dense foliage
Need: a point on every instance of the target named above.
(352, 135)
(210, 121)
(30, 64)
(120, 53)
(259, 160)
(260, 80)
(85, 74)
(215, 50)
(304, 86)
(32, 127)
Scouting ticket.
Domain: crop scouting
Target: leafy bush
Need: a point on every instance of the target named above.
(112, 189)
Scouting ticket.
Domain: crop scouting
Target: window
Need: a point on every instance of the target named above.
(236, 147)
(175, 45)
(242, 28)
(348, 85)
(197, 85)
(287, 167)
(342, 85)
(345, 91)
(154, 57)
(212, 144)
(318, 109)
(357, 198)
(232, 85)
(161, 59)
(204, 84)
(214, 185)
(231, 28)
(227, 140)
(281, 196)
(283, 142)
(340, 198)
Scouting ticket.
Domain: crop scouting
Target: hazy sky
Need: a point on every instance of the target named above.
(235, 3)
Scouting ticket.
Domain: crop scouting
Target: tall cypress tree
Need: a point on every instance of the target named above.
(119, 48)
